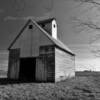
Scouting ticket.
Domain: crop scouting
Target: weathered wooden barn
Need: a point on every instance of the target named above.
(37, 54)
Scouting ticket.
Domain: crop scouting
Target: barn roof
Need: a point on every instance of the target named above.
(57, 42)
(45, 21)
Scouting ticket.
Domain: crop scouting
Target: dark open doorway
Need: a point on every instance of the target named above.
(27, 69)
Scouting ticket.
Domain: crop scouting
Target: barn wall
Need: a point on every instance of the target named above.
(64, 65)
(45, 64)
(47, 53)
(30, 41)
(45, 69)
(40, 69)
(47, 27)
(13, 70)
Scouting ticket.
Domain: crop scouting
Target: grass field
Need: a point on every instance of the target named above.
(79, 88)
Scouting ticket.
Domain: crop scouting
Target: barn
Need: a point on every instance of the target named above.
(36, 54)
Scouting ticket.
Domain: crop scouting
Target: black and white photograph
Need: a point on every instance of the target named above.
(49, 49)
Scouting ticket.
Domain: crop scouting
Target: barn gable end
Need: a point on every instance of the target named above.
(30, 40)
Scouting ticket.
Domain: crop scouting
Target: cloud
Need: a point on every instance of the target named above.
(1, 10)
(84, 51)
(17, 18)
(95, 50)
(88, 64)
(14, 18)
(3, 52)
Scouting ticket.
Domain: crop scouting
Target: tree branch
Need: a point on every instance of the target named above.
(89, 1)
(89, 24)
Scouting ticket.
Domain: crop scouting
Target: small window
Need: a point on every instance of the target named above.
(54, 25)
(30, 26)
(43, 25)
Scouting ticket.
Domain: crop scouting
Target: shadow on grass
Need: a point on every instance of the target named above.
(5, 81)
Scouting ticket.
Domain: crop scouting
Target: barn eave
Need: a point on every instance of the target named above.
(64, 50)
(57, 42)
(18, 35)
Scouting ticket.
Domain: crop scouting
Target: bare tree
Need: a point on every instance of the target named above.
(96, 2)
(89, 24)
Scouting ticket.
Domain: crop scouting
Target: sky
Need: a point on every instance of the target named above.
(73, 18)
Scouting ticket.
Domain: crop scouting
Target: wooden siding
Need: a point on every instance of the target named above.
(47, 49)
(30, 41)
(50, 64)
(47, 27)
(13, 70)
(64, 65)
(45, 67)
(40, 69)
(47, 52)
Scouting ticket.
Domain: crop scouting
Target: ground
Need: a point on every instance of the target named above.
(78, 88)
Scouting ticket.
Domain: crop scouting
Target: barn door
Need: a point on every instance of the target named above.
(13, 70)
(50, 66)
(45, 69)
(40, 69)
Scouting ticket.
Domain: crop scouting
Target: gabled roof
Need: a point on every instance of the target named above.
(57, 42)
(45, 21)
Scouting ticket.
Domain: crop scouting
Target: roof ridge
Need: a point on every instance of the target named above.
(57, 42)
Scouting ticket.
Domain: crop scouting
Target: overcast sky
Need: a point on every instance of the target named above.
(68, 13)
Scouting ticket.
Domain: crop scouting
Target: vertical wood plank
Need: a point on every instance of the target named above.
(40, 69)
(13, 67)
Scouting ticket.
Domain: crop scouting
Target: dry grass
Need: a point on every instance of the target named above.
(79, 88)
